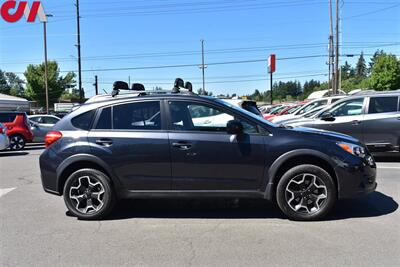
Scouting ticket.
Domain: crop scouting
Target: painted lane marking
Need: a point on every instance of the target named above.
(4, 191)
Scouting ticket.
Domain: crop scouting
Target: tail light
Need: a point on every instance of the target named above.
(2, 130)
(51, 138)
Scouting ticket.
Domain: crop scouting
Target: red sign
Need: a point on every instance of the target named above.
(22, 9)
(272, 63)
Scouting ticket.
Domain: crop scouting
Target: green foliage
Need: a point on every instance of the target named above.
(361, 70)
(200, 91)
(11, 84)
(385, 73)
(57, 84)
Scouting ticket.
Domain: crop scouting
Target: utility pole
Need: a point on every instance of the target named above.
(78, 45)
(202, 65)
(46, 76)
(96, 85)
(331, 51)
(271, 83)
(337, 50)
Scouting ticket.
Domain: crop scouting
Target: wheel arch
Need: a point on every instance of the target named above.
(78, 162)
(294, 158)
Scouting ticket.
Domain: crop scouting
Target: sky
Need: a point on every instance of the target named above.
(127, 38)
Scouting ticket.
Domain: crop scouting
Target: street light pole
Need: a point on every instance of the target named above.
(78, 45)
(46, 78)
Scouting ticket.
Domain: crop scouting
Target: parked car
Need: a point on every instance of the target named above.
(309, 106)
(18, 129)
(309, 115)
(41, 125)
(372, 118)
(4, 141)
(248, 105)
(106, 150)
(275, 111)
(288, 110)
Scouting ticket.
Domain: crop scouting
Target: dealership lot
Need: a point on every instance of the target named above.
(36, 230)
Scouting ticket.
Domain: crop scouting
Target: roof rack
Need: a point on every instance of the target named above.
(373, 92)
(179, 87)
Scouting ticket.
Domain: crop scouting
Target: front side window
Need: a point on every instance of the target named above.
(382, 104)
(348, 108)
(137, 116)
(188, 116)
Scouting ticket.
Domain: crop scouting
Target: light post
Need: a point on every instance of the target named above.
(45, 62)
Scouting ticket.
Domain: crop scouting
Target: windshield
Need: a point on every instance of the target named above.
(248, 113)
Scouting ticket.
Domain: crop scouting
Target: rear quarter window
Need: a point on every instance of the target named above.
(383, 104)
(84, 120)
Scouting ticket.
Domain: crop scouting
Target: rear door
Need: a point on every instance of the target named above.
(205, 157)
(382, 123)
(131, 139)
(347, 118)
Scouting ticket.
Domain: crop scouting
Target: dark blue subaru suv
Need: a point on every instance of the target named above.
(161, 145)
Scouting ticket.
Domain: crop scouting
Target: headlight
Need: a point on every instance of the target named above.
(353, 149)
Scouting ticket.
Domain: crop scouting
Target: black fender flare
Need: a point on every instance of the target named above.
(274, 168)
(88, 158)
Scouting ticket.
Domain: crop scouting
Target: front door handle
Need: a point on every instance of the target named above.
(104, 142)
(182, 145)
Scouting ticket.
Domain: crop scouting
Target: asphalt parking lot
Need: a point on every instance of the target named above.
(35, 229)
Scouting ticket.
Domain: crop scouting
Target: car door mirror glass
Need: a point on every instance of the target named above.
(234, 127)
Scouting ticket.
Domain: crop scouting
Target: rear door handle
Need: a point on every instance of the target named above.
(104, 142)
(182, 145)
(356, 122)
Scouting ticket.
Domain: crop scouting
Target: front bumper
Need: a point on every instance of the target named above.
(356, 177)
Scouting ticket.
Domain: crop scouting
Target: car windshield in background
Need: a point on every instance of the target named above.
(251, 114)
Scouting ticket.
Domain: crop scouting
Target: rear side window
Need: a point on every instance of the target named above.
(137, 116)
(382, 104)
(7, 117)
(84, 120)
(104, 121)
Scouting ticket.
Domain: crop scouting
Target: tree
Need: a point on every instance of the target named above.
(310, 86)
(57, 84)
(347, 71)
(385, 73)
(376, 55)
(4, 86)
(16, 84)
(361, 67)
(11, 84)
(200, 91)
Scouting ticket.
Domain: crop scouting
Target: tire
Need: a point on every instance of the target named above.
(17, 142)
(87, 184)
(306, 193)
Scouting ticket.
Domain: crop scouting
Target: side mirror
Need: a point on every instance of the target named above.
(327, 116)
(234, 127)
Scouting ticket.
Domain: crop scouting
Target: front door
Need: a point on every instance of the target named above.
(131, 139)
(205, 157)
(347, 118)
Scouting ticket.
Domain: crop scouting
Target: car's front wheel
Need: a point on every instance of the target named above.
(88, 194)
(306, 192)
(17, 142)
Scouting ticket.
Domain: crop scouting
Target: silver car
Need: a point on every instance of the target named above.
(4, 141)
(372, 118)
(41, 125)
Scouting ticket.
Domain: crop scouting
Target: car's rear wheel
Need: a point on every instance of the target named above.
(306, 192)
(17, 142)
(88, 194)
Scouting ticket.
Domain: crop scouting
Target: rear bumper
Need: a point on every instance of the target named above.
(48, 166)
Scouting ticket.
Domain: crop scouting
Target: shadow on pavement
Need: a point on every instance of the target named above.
(374, 205)
(13, 154)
